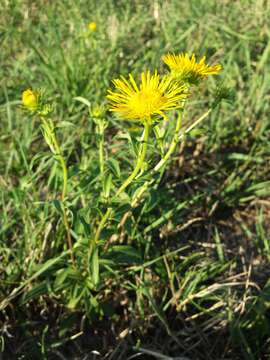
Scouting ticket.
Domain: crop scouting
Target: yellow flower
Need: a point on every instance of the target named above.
(153, 96)
(30, 99)
(92, 26)
(186, 68)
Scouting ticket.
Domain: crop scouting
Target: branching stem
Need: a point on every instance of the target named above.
(128, 181)
(171, 149)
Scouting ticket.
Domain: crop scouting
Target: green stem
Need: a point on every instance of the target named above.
(102, 223)
(101, 154)
(65, 177)
(63, 197)
(58, 153)
(138, 166)
(140, 160)
(171, 149)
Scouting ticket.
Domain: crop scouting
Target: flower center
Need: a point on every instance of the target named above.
(146, 102)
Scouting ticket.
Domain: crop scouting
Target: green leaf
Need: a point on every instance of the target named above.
(125, 254)
(83, 101)
(61, 276)
(43, 268)
(75, 300)
(122, 199)
(58, 206)
(113, 165)
(107, 185)
(63, 124)
(35, 292)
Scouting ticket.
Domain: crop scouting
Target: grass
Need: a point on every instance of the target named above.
(188, 273)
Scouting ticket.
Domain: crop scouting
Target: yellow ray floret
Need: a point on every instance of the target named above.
(153, 96)
(186, 67)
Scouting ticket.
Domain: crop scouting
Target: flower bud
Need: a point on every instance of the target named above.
(30, 99)
(92, 26)
(98, 111)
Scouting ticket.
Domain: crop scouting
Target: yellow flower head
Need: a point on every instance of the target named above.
(187, 69)
(151, 97)
(30, 99)
(92, 26)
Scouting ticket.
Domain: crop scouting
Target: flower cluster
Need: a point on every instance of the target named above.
(154, 95)
(149, 99)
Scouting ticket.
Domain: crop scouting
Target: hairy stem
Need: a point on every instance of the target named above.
(102, 223)
(59, 155)
(138, 166)
(101, 154)
(63, 196)
(140, 160)
(171, 149)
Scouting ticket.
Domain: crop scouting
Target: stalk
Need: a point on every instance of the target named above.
(177, 138)
(63, 196)
(171, 149)
(101, 154)
(57, 150)
(140, 160)
(102, 223)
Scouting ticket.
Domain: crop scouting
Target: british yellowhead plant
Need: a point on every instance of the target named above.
(36, 103)
(95, 226)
